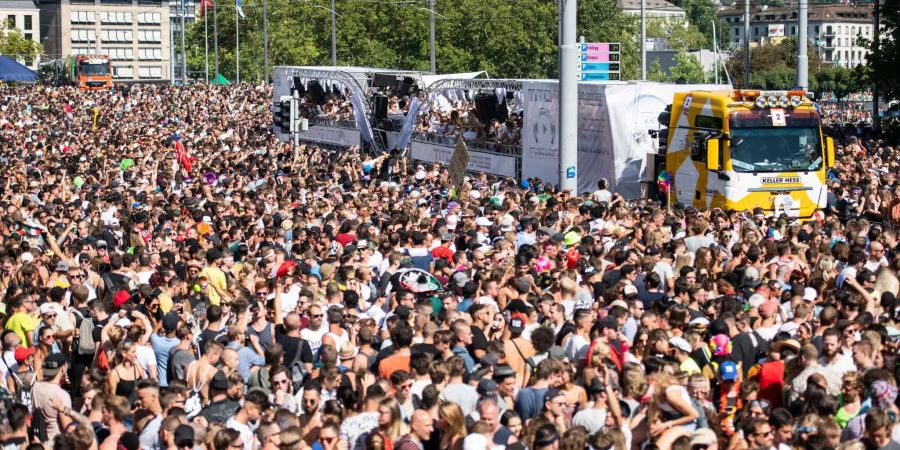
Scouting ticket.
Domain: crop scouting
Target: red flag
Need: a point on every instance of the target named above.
(182, 155)
(203, 5)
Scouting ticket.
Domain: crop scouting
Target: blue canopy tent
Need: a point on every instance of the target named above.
(12, 71)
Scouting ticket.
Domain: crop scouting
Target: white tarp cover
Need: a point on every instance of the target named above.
(428, 80)
(613, 125)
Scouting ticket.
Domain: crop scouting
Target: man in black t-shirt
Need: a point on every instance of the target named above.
(481, 318)
(295, 347)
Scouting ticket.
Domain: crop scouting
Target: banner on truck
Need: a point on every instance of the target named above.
(540, 131)
(614, 123)
(493, 163)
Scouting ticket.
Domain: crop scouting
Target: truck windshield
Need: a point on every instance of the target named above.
(94, 70)
(758, 146)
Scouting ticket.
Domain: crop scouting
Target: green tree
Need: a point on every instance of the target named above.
(655, 72)
(688, 68)
(679, 34)
(771, 63)
(507, 39)
(14, 45)
(702, 14)
(884, 65)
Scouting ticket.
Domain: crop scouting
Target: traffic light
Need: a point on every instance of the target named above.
(281, 113)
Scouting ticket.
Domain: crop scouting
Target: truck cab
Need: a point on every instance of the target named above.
(92, 72)
(745, 149)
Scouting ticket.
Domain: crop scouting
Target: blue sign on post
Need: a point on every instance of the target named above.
(599, 76)
(599, 62)
(570, 172)
(599, 67)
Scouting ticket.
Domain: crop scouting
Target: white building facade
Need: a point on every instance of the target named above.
(835, 30)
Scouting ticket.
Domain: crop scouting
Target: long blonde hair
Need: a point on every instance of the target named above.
(453, 415)
(396, 428)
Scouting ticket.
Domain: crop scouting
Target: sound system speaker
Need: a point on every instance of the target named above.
(384, 80)
(317, 91)
(407, 86)
(502, 111)
(485, 107)
(381, 105)
(298, 87)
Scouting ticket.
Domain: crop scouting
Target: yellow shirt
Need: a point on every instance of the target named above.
(22, 324)
(217, 278)
(165, 303)
(689, 366)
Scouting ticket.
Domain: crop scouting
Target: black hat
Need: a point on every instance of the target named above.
(487, 388)
(184, 436)
(54, 361)
(551, 394)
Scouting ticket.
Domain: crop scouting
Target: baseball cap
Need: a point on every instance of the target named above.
(62, 266)
(22, 353)
(487, 388)
(551, 394)
(704, 436)
(810, 294)
(54, 361)
(516, 323)
(680, 343)
(728, 371)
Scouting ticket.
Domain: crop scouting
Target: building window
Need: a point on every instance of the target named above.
(84, 51)
(29, 22)
(116, 18)
(116, 35)
(82, 17)
(119, 54)
(10, 21)
(150, 72)
(149, 18)
(793, 29)
(29, 36)
(123, 72)
(83, 35)
(150, 54)
(816, 29)
(149, 36)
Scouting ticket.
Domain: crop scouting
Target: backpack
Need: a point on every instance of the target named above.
(23, 393)
(297, 373)
(760, 345)
(86, 343)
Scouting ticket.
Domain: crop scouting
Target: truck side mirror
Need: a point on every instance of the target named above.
(712, 154)
(829, 152)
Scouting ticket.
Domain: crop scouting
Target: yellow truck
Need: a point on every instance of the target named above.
(742, 149)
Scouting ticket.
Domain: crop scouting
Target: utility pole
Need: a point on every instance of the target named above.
(431, 35)
(715, 51)
(802, 43)
(568, 98)
(183, 54)
(643, 39)
(216, 39)
(746, 44)
(876, 49)
(205, 41)
(265, 41)
(333, 35)
(237, 46)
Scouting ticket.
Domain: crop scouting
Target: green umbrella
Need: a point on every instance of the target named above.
(126, 163)
(221, 80)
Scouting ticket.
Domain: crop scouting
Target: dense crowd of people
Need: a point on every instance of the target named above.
(173, 277)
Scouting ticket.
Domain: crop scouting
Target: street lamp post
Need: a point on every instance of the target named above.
(431, 35)
(333, 35)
